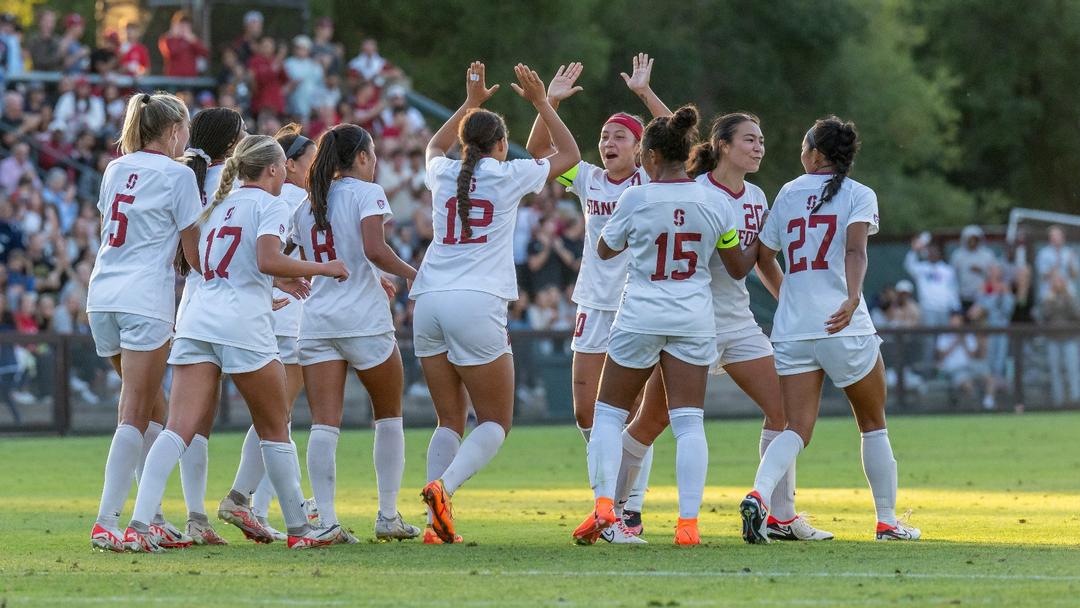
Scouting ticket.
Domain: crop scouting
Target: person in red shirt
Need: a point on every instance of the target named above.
(134, 56)
(180, 48)
(268, 76)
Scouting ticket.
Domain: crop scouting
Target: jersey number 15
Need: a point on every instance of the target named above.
(680, 253)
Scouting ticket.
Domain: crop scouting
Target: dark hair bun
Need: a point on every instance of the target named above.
(684, 119)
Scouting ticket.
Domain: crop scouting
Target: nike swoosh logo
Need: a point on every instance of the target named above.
(730, 241)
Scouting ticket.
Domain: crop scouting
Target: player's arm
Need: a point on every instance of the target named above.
(855, 273)
(476, 93)
(561, 87)
(532, 89)
(272, 262)
(768, 270)
(381, 255)
(189, 242)
(738, 261)
(638, 82)
(604, 251)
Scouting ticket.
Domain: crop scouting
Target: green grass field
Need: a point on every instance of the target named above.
(997, 498)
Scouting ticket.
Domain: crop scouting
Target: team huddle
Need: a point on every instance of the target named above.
(281, 243)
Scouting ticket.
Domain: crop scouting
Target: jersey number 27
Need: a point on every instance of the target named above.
(800, 224)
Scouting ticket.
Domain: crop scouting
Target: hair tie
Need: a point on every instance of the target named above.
(200, 153)
(145, 99)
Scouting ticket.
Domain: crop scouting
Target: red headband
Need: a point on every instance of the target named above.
(628, 121)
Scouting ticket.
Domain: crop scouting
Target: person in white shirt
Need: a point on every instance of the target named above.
(467, 278)
(821, 221)
(348, 324)
(935, 282)
(1056, 257)
(600, 283)
(670, 229)
(149, 203)
(227, 327)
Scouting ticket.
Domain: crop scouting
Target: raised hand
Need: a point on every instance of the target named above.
(529, 85)
(638, 81)
(476, 90)
(562, 85)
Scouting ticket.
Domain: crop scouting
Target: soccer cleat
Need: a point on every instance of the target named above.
(795, 529)
(318, 537)
(430, 538)
(169, 536)
(277, 534)
(686, 532)
(106, 539)
(202, 533)
(754, 518)
(602, 517)
(901, 531)
(141, 542)
(241, 516)
(619, 534)
(394, 528)
(311, 511)
(442, 515)
(632, 519)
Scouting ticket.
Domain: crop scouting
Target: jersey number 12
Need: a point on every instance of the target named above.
(451, 237)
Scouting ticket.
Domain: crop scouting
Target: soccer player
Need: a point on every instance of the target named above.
(735, 148)
(821, 221)
(348, 324)
(467, 278)
(671, 227)
(600, 282)
(148, 203)
(227, 327)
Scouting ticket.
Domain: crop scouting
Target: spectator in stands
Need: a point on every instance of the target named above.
(246, 45)
(573, 243)
(307, 77)
(1057, 258)
(970, 261)
(371, 65)
(395, 176)
(134, 56)
(1060, 307)
(994, 307)
(44, 45)
(180, 49)
(935, 281)
(324, 50)
(79, 109)
(1018, 274)
(11, 236)
(960, 357)
(16, 123)
(61, 195)
(105, 60)
(11, 55)
(903, 311)
(75, 55)
(367, 107)
(15, 167)
(268, 74)
(549, 257)
(397, 102)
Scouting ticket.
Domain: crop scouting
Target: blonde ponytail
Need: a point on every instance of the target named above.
(250, 157)
(147, 117)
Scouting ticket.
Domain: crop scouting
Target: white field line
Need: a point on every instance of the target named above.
(145, 599)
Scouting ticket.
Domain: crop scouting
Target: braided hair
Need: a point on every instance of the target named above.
(480, 130)
(838, 142)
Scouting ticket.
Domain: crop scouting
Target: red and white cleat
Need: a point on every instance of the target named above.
(901, 531)
(202, 533)
(320, 537)
(141, 542)
(169, 536)
(241, 516)
(106, 539)
(796, 529)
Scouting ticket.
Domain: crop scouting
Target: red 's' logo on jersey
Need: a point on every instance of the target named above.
(281, 229)
(228, 214)
(680, 217)
(381, 203)
(134, 177)
(811, 201)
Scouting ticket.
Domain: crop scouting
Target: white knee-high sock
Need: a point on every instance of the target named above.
(441, 451)
(476, 451)
(252, 468)
(782, 502)
(153, 429)
(636, 500)
(389, 456)
(322, 469)
(880, 468)
(163, 456)
(260, 500)
(605, 449)
(124, 454)
(633, 453)
(691, 458)
(193, 467)
(778, 459)
(281, 465)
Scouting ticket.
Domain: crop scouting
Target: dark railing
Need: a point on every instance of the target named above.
(56, 383)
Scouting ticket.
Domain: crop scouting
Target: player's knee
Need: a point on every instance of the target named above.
(584, 419)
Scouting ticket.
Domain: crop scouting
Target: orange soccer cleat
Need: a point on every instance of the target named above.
(686, 532)
(430, 538)
(442, 515)
(602, 517)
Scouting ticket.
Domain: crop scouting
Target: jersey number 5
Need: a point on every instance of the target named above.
(118, 238)
(799, 224)
(222, 269)
(451, 237)
(681, 238)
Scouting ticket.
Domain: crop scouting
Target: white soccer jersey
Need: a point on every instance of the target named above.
(485, 261)
(357, 306)
(600, 282)
(731, 299)
(146, 200)
(232, 304)
(814, 247)
(287, 320)
(671, 230)
(192, 279)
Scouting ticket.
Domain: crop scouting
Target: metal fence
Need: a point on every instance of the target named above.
(57, 384)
